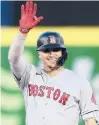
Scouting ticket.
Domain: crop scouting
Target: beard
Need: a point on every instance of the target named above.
(54, 67)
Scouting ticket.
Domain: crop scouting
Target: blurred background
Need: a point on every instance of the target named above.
(76, 21)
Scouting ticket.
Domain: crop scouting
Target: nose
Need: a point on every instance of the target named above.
(51, 53)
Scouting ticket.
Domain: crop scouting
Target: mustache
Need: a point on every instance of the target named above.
(54, 57)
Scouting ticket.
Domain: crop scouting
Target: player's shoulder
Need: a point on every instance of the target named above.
(35, 69)
(76, 78)
(70, 74)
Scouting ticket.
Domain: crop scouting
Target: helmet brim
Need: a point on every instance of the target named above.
(50, 46)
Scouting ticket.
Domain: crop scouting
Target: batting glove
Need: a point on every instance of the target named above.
(28, 17)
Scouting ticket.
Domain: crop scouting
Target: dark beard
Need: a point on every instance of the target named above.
(54, 68)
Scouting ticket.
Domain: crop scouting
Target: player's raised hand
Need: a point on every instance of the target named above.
(28, 17)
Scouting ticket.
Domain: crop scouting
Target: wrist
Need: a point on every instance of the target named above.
(23, 31)
(22, 34)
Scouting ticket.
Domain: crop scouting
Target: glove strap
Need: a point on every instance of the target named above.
(24, 31)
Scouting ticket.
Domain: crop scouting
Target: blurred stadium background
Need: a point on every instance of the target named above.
(76, 21)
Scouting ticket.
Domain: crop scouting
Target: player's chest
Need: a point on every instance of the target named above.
(55, 89)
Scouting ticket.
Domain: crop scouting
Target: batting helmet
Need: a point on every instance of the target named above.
(51, 40)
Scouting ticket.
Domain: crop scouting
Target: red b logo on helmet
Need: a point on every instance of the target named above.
(52, 39)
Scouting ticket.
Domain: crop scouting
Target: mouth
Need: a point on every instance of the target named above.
(52, 59)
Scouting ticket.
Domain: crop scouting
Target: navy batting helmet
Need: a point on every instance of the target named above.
(52, 40)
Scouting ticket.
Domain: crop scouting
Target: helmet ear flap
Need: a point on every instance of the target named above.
(63, 58)
(65, 54)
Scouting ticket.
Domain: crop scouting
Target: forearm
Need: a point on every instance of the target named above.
(15, 55)
(90, 122)
(17, 48)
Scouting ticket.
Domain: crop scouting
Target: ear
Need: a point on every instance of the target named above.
(39, 55)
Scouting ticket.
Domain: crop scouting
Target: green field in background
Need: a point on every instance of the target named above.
(13, 111)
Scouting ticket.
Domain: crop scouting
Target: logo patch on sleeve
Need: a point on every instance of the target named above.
(93, 98)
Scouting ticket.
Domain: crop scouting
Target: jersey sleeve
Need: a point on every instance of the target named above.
(19, 67)
(88, 105)
(23, 80)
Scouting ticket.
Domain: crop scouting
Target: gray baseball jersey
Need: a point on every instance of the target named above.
(57, 100)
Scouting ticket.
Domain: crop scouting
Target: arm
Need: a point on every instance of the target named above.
(88, 105)
(27, 22)
(90, 121)
(15, 55)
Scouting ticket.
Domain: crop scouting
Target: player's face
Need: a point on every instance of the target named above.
(50, 58)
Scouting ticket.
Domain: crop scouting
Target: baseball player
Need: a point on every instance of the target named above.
(53, 95)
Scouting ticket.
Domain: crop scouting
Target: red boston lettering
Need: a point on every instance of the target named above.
(35, 90)
(41, 88)
(49, 91)
(30, 87)
(64, 98)
(56, 94)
